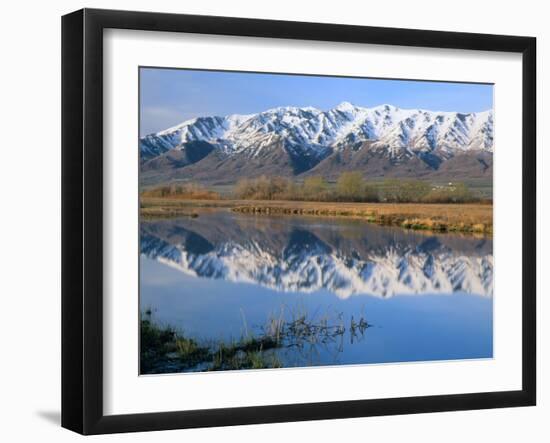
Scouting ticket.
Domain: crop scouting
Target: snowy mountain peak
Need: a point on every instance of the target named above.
(346, 107)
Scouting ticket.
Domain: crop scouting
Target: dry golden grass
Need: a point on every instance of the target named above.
(469, 217)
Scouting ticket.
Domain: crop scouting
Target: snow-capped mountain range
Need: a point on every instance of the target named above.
(298, 260)
(314, 130)
(307, 136)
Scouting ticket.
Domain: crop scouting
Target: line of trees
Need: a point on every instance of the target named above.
(191, 191)
(352, 187)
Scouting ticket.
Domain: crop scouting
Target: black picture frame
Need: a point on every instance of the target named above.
(82, 218)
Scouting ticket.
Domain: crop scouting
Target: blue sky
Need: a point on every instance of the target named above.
(170, 96)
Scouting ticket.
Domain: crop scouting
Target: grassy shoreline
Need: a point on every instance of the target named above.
(451, 217)
(163, 349)
(166, 349)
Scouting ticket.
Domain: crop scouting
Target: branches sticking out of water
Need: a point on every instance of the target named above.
(358, 328)
(300, 329)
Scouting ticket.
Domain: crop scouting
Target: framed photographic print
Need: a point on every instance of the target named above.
(269, 221)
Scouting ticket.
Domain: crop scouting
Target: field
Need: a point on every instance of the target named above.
(468, 217)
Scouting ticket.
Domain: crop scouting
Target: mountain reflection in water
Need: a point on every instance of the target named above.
(297, 254)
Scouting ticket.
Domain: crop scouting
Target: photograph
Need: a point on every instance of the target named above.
(291, 221)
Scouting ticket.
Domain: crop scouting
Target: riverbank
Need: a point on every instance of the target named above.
(476, 218)
(164, 350)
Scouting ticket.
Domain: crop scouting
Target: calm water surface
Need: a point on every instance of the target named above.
(383, 294)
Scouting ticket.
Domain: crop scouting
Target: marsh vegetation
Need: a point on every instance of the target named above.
(165, 349)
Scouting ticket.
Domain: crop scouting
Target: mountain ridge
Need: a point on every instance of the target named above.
(303, 137)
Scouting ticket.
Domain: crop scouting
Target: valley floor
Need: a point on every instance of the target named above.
(476, 218)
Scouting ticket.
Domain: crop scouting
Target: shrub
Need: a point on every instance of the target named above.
(409, 191)
(315, 188)
(350, 186)
(455, 193)
(371, 194)
(263, 188)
